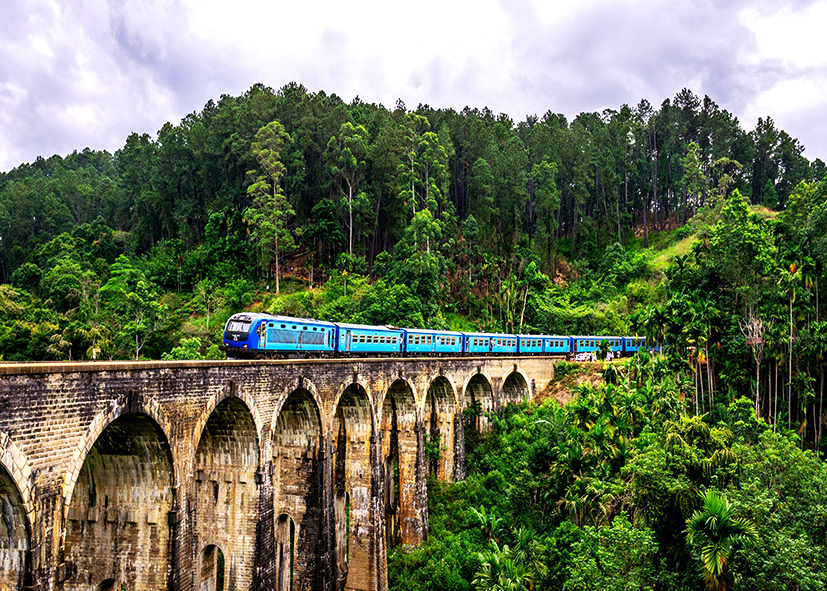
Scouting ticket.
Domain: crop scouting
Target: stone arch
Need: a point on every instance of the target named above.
(438, 417)
(16, 464)
(478, 394)
(353, 435)
(117, 525)
(515, 388)
(18, 515)
(132, 402)
(298, 478)
(107, 585)
(226, 496)
(357, 382)
(232, 390)
(211, 569)
(285, 547)
(399, 430)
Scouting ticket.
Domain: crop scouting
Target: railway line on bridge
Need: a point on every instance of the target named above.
(263, 474)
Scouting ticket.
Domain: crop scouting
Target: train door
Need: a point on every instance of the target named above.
(347, 340)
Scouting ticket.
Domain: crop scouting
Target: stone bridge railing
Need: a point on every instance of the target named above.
(231, 475)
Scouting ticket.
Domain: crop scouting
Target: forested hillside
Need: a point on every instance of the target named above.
(672, 222)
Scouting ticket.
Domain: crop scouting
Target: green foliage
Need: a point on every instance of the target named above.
(714, 530)
(617, 557)
(188, 349)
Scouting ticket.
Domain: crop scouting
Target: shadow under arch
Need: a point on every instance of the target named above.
(130, 403)
(353, 436)
(297, 477)
(400, 447)
(15, 526)
(226, 497)
(232, 390)
(478, 399)
(286, 536)
(212, 571)
(514, 388)
(117, 523)
(439, 417)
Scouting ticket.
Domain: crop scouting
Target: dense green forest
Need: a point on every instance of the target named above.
(671, 222)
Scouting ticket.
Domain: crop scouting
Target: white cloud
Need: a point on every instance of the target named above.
(90, 72)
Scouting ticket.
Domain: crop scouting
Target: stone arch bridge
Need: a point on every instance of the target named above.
(232, 475)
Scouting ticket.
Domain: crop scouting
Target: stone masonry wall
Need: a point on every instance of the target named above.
(232, 475)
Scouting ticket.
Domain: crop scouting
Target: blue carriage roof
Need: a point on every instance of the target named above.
(433, 332)
(367, 327)
(490, 334)
(252, 316)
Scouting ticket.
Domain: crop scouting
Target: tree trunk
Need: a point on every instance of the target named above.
(350, 219)
(790, 375)
(277, 260)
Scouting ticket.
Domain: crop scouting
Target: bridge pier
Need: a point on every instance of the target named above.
(232, 475)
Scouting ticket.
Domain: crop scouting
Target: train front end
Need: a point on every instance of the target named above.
(240, 338)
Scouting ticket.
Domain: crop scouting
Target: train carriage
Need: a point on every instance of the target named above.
(255, 334)
(530, 344)
(360, 339)
(482, 343)
(556, 345)
(543, 344)
(421, 341)
(632, 345)
(592, 344)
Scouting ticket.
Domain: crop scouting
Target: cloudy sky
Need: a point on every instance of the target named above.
(86, 73)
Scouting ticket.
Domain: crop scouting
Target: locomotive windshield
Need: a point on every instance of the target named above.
(238, 326)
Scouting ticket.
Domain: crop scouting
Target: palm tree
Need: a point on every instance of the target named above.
(716, 529)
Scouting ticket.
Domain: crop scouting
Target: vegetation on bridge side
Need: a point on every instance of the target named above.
(626, 488)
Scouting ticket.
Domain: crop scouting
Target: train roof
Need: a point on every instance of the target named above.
(368, 326)
(276, 318)
(490, 334)
(432, 332)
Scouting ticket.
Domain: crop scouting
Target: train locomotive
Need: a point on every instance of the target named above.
(256, 335)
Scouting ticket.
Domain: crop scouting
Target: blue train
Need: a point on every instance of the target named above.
(248, 335)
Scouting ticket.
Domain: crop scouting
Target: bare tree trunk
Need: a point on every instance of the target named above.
(277, 261)
(790, 375)
(820, 407)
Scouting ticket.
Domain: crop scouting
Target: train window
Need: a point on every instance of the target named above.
(271, 324)
(293, 327)
(429, 339)
(304, 328)
(314, 328)
(362, 338)
(282, 326)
